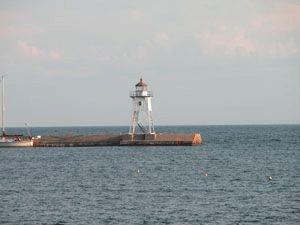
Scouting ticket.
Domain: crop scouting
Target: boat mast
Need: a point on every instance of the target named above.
(3, 107)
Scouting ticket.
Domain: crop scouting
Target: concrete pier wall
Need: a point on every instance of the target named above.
(119, 140)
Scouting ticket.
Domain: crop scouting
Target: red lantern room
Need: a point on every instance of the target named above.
(141, 86)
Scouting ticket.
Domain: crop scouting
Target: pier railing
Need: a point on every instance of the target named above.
(141, 94)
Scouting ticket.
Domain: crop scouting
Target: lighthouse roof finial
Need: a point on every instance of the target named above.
(141, 83)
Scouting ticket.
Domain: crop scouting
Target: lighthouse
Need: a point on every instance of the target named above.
(141, 120)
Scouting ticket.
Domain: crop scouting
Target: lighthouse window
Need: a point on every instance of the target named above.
(140, 103)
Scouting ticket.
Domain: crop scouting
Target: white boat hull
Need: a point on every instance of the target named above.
(15, 144)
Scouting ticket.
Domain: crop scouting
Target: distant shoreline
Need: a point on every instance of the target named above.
(209, 125)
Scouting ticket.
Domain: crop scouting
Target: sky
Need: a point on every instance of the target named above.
(210, 62)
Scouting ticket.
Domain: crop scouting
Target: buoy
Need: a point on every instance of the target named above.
(270, 178)
(138, 171)
(205, 174)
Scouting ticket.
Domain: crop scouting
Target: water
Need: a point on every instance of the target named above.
(99, 185)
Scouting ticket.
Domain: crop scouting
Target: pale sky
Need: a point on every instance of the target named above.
(73, 63)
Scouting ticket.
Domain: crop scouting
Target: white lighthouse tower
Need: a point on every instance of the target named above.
(141, 110)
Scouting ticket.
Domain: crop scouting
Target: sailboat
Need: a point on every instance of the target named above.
(12, 140)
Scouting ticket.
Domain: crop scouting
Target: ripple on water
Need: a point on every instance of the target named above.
(101, 186)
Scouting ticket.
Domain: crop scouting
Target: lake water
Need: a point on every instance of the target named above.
(100, 185)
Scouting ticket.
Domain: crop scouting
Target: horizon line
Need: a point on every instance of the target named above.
(236, 124)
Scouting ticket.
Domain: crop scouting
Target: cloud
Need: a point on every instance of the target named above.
(162, 37)
(5, 18)
(142, 52)
(136, 14)
(25, 30)
(4, 31)
(231, 42)
(13, 25)
(234, 42)
(107, 54)
(31, 51)
(55, 55)
(285, 17)
(278, 49)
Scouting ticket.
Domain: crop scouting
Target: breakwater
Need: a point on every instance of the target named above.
(119, 140)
